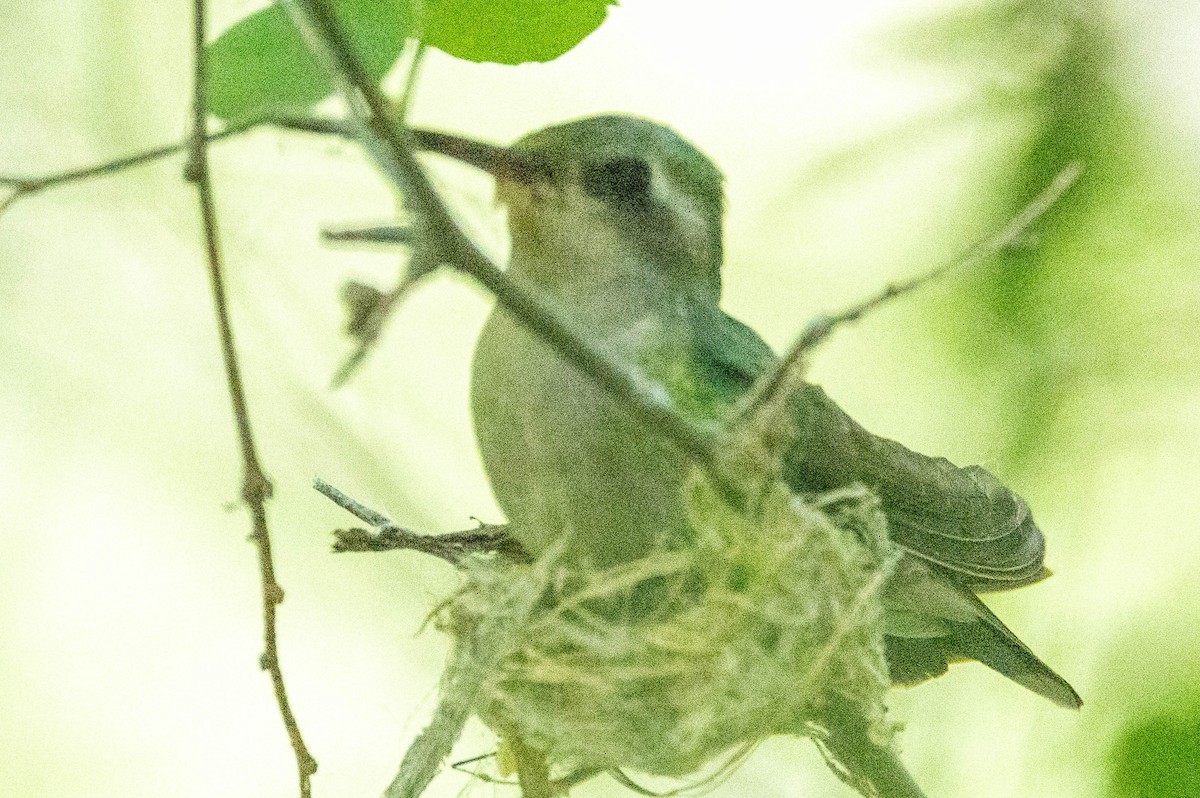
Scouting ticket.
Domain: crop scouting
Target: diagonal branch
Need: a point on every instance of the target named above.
(770, 387)
(391, 144)
(256, 487)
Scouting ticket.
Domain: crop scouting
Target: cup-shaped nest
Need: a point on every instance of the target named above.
(664, 663)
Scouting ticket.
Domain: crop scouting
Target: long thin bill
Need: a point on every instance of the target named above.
(500, 162)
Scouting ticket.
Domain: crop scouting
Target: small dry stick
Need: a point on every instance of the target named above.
(256, 488)
(389, 536)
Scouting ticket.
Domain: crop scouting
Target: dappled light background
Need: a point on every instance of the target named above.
(862, 142)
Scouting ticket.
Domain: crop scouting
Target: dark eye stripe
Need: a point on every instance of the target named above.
(625, 180)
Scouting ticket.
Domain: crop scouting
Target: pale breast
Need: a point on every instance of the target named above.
(564, 458)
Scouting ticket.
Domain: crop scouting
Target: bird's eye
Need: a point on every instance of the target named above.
(625, 180)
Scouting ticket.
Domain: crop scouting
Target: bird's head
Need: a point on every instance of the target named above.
(594, 198)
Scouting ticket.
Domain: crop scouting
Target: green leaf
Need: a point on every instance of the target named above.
(1158, 758)
(261, 64)
(510, 31)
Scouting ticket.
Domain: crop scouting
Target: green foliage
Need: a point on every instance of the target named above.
(1157, 758)
(262, 64)
(1072, 114)
(1045, 78)
(510, 31)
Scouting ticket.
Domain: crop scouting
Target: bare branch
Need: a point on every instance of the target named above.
(256, 487)
(389, 536)
(24, 187)
(769, 387)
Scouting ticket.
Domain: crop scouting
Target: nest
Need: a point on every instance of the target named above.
(750, 630)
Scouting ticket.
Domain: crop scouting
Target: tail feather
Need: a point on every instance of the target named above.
(964, 532)
(993, 644)
(935, 621)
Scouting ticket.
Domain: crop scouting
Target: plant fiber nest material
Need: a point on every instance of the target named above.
(762, 619)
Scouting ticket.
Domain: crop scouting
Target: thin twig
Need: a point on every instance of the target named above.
(391, 145)
(388, 235)
(373, 310)
(767, 388)
(256, 488)
(455, 147)
(370, 326)
(360, 511)
(389, 536)
(25, 187)
(477, 655)
(410, 80)
(559, 786)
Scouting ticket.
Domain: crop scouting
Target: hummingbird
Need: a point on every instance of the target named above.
(616, 221)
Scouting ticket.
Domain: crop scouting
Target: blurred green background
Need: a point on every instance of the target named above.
(863, 141)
